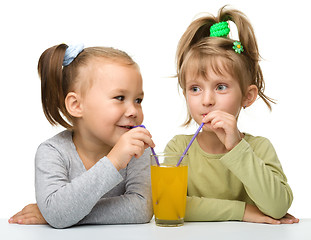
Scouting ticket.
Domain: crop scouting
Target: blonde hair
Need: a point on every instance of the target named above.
(197, 51)
(57, 81)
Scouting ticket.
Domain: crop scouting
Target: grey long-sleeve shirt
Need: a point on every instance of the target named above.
(68, 194)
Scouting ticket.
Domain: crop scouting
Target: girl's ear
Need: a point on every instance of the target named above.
(250, 96)
(73, 104)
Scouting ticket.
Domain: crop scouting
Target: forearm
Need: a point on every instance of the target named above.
(264, 182)
(124, 209)
(210, 209)
(134, 205)
(64, 203)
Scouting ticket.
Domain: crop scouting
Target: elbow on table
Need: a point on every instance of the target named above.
(278, 205)
(145, 214)
(145, 218)
(59, 226)
(56, 219)
(278, 210)
(276, 213)
(58, 223)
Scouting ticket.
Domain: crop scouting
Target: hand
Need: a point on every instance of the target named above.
(29, 215)
(253, 214)
(131, 144)
(224, 125)
(289, 219)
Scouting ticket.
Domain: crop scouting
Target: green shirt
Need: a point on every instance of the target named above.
(219, 185)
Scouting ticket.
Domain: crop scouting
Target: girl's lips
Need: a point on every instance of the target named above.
(126, 126)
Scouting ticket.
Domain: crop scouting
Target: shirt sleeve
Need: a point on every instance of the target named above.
(135, 205)
(64, 203)
(260, 171)
(210, 209)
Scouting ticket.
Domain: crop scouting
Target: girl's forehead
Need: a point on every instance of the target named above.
(205, 67)
(100, 71)
(102, 66)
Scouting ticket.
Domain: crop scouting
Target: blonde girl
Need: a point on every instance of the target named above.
(96, 171)
(232, 175)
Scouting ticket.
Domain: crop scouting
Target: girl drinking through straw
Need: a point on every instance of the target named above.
(232, 175)
(98, 170)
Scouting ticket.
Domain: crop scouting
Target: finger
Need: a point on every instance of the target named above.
(224, 116)
(270, 220)
(216, 124)
(12, 220)
(138, 151)
(216, 113)
(24, 221)
(31, 221)
(208, 118)
(141, 130)
(17, 214)
(149, 143)
(296, 220)
(145, 138)
(136, 143)
(286, 221)
(289, 216)
(22, 218)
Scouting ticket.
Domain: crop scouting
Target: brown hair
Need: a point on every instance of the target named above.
(197, 50)
(57, 81)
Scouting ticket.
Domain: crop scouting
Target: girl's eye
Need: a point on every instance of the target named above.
(195, 89)
(221, 87)
(139, 100)
(120, 98)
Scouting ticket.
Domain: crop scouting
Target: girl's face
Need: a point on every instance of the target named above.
(216, 92)
(113, 102)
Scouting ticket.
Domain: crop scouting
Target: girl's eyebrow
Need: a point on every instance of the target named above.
(124, 91)
(193, 81)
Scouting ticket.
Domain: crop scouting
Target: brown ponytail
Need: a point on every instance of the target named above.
(52, 91)
(196, 47)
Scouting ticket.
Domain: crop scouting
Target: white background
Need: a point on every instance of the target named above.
(149, 32)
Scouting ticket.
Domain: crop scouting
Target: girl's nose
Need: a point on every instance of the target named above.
(208, 98)
(131, 111)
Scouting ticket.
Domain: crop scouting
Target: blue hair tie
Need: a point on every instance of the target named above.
(71, 53)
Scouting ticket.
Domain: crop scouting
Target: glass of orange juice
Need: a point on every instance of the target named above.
(169, 188)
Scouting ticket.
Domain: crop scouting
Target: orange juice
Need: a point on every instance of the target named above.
(169, 191)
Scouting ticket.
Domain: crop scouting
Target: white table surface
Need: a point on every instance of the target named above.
(193, 231)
